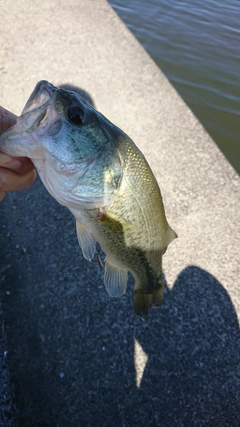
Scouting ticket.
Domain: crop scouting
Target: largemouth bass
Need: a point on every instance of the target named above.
(94, 169)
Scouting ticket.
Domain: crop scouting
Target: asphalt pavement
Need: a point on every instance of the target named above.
(70, 355)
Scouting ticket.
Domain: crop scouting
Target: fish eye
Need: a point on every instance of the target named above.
(76, 115)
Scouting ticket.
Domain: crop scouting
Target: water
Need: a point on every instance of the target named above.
(196, 44)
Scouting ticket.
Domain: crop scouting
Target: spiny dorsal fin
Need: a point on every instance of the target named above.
(115, 280)
(170, 235)
(86, 241)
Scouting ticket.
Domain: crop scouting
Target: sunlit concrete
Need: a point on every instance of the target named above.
(140, 360)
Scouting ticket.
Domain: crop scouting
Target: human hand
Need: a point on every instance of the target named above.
(16, 173)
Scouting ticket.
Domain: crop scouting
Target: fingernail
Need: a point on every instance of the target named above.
(14, 164)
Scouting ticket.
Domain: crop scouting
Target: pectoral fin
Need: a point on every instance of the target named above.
(86, 241)
(115, 280)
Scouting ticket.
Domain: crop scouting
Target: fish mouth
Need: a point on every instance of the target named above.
(41, 95)
(39, 115)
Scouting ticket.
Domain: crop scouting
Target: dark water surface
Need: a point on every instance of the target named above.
(196, 43)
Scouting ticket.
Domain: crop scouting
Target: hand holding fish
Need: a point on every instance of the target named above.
(16, 173)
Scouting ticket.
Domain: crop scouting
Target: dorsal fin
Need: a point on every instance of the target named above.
(170, 235)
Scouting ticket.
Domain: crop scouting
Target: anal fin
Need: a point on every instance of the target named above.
(86, 241)
(115, 280)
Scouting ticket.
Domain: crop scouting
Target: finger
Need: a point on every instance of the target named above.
(26, 165)
(2, 195)
(20, 165)
(7, 112)
(12, 181)
(6, 122)
(7, 119)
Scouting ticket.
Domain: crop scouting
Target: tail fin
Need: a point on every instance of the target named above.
(143, 301)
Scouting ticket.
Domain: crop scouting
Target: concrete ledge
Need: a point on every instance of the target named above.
(75, 356)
